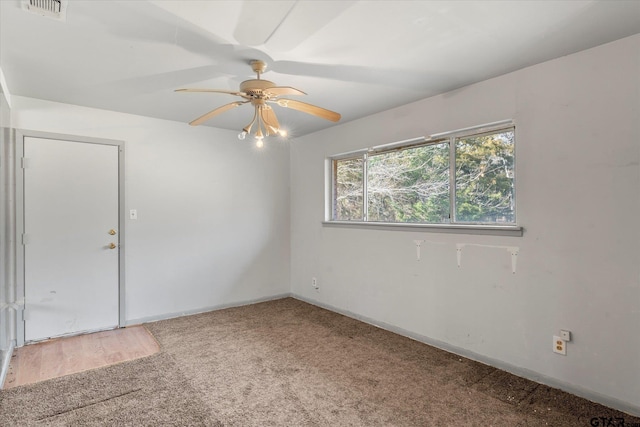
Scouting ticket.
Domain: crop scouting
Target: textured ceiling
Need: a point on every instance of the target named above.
(353, 57)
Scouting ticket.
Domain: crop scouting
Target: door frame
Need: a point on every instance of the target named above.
(20, 135)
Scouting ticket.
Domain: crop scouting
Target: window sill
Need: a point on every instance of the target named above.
(494, 230)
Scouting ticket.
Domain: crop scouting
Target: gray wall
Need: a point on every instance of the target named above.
(578, 198)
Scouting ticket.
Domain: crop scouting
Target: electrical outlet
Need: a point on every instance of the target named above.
(314, 283)
(559, 345)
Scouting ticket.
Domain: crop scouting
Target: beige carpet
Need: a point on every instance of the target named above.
(287, 363)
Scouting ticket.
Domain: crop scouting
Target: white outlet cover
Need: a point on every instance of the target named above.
(565, 335)
(559, 345)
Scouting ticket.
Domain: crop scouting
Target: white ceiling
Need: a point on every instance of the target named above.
(353, 57)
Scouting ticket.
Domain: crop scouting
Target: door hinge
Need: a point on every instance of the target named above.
(20, 305)
(25, 238)
(24, 162)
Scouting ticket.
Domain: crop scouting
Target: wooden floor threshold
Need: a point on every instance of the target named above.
(69, 355)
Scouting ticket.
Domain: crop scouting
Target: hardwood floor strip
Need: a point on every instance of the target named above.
(30, 365)
(68, 355)
(50, 354)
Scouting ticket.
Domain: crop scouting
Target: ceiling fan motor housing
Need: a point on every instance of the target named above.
(256, 87)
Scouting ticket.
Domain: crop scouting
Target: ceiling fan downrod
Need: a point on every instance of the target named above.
(258, 67)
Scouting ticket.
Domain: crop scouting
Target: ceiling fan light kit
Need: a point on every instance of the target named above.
(260, 94)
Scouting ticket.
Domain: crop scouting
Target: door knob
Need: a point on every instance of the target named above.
(112, 245)
(112, 232)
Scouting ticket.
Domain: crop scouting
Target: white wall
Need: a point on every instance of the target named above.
(7, 243)
(578, 198)
(213, 212)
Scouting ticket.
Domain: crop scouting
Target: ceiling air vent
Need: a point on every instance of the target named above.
(56, 9)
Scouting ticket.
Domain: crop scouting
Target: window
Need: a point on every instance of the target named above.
(484, 178)
(410, 185)
(348, 179)
(458, 178)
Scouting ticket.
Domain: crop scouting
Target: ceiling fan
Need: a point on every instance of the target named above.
(262, 94)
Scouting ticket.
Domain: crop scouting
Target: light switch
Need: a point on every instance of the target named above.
(133, 214)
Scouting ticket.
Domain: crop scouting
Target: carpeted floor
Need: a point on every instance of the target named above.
(288, 363)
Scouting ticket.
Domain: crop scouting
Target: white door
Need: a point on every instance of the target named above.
(71, 259)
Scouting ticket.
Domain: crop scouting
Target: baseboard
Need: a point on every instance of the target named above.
(516, 370)
(6, 360)
(165, 316)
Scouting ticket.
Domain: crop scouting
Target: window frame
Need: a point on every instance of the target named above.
(453, 226)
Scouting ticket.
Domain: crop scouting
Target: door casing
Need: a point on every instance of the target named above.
(20, 261)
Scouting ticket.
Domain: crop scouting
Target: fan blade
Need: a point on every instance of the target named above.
(258, 20)
(304, 20)
(284, 90)
(215, 112)
(309, 109)
(270, 120)
(230, 92)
